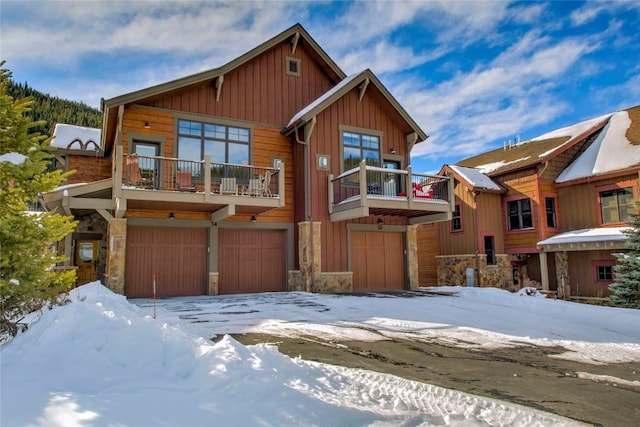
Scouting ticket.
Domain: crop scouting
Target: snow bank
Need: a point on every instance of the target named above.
(99, 361)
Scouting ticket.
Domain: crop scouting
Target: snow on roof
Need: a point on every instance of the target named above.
(611, 151)
(76, 137)
(586, 235)
(475, 177)
(489, 167)
(15, 158)
(573, 130)
(322, 98)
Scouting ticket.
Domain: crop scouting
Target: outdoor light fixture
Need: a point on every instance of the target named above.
(171, 215)
(380, 223)
(392, 150)
(253, 219)
(147, 125)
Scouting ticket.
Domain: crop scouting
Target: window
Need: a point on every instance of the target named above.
(603, 272)
(456, 219)
(490, 249)
(225, 144)
(293, 66)
(550, 208)
(519, 212)
(358, 147)
(616, 205)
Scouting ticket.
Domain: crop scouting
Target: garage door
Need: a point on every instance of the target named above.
(251, 261)
(377, 261)
(177, 256)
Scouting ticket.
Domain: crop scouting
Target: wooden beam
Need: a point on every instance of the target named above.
(223, 213)
(294, 42)
(88, 203)
(219, 82)
(363, 88)
(105, 214)
(121, 207)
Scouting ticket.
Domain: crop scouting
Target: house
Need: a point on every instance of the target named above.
(546, 212)
(273, 172)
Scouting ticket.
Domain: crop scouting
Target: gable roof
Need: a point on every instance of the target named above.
(295, 34)
(535, 150)
(370, 81)
(75, 137)
(616, 148)
(474, 178)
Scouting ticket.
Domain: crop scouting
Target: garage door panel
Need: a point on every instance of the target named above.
(377, 261)
(176, 256)
(251, 261)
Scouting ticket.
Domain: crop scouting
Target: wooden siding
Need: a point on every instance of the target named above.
(579, 203)
(363, 114)
(490, 220)
(428, 248)
(520, 185)
(465, 241)
(582, 271)
(88, 168)
(258, 91)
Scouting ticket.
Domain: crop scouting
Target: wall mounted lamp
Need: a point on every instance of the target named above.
(253, 218)
(171, 215)
(392, 150)
(380, 223)
(147, 125)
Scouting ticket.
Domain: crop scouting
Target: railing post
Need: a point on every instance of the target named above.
(281, 183)
(330, 193)
(450, 188)
(117, 176)
(409, 186)
(363, 183)
(207, 178)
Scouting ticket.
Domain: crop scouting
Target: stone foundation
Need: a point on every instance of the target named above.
(214, 282)
(452, 271)
(324, 283)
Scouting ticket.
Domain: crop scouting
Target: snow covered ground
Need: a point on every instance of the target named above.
(103, 361)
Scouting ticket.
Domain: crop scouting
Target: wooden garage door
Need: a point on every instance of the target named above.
(177, 256)
(251, 261)
(377, 261)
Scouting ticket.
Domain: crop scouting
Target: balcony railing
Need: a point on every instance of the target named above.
(369, 189)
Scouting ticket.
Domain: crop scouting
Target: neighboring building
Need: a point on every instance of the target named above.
(544, 212)
(274, 172)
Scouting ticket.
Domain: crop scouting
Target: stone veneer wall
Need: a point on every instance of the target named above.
(114, 276)
(412, 257)
(452, 270)
(214, 283)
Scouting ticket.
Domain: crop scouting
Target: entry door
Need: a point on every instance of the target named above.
(86, 260)
(392, 184)
(149, 168)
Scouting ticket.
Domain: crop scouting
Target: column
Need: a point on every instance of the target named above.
(309, 253)
(117, 235)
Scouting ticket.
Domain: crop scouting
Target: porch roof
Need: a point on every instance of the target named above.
(586, 239)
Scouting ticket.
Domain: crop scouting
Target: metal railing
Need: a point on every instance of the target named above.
(171, 174)
(376, 182)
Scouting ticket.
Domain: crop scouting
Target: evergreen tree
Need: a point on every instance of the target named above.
(626, 289)
(27, 281)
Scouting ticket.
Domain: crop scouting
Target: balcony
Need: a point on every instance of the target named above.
(368, 190)
(163, 183)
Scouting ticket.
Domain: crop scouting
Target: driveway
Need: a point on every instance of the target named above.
(489, 344)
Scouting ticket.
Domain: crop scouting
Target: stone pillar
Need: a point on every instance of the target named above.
(213, 285)
(309, 253)
(562, 273)
(412, 257)
(116, 252)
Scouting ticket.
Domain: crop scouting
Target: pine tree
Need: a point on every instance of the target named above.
(626, 289)
(27, 281)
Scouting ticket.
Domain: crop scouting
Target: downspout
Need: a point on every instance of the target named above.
(478, 234)
(307, 193)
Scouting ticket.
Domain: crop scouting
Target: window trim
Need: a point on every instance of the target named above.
(624, 185)
(212, 121)
(557, 217)
(603, 263)
(456, 230)
(361, 131)
(495, 250)
(507, 224)
(291, 60)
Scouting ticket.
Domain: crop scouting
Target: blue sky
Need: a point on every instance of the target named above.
(473, 74)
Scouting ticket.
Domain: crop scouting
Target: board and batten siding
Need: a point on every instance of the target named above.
(465, 241)
(579, 203)
(259, 90)
(88, 168)
(521, 185)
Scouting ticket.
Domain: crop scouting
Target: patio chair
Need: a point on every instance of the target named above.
(134, 176)
(266, 183)
(228, 186)
(184, 182)
(255, 187)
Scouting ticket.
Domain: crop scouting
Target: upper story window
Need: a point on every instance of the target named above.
(616, 205)
(358, 147)
(519, 214)
(293, 66)
(225, 144)
(456, 218)
(550, 210)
